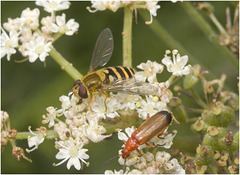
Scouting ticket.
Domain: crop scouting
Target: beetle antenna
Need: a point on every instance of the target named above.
(176, 120)
(124, 166)
(106, 162)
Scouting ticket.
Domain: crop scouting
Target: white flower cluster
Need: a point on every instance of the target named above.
(149, 163)
(80, 123)
(32, 39)
(151, 6)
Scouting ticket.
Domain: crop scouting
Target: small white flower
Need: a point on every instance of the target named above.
(103, 5)
(36, 48)
(93, 130)
(152, 7)
(36, 140)
(13, 24)
(73, 152)
(150, 69)
(126, 101)
(62, 130)
(8, 43)
(178, 65)
(100, 109)
(150, 106)
(173, 167)
(162, 157)
(52, 114)
(165, 142)
(4, 116)
(53, 5)
(61, 26)
(30, 18)
(164, 93)
(46, 24)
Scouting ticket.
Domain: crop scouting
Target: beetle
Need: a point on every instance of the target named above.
(153, 126)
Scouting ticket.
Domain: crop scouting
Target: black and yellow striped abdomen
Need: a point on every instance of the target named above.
(117, 73)
(107, 75)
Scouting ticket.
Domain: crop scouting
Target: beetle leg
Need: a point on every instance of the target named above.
(124, 141)
(163, 134)
(148, 116)
(150, 145)
(139, 152)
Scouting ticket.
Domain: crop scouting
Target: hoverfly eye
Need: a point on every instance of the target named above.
(82, 91)
(78, 82)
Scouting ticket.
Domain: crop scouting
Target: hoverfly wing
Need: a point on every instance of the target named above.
(131, 86)
(103, 49)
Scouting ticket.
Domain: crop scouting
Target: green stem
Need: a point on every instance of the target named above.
(206, 28)
(166, 37)
(170, 80)
(127, 37)
(56, 37)
(51, 134)
(65, 65)
(217, 24)
(195, 94)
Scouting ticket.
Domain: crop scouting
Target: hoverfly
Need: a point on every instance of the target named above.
(115, 79)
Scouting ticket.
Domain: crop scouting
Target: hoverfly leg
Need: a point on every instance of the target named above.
(148, 116)
(79, 101)
(105, 100)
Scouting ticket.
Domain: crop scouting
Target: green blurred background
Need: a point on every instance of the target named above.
(28, 89)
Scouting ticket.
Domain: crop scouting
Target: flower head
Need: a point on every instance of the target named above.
(53, 5)
(72, 151)
(36, 48)
(150, 69)
(37, 139)
(8, 43)
(178, 65)
(61, 26)
(105, 4)
(152, 7)
(30, 18)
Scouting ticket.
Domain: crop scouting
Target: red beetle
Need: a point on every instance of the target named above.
(152, 127)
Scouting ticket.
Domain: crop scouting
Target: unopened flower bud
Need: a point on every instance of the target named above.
(228, 143)
(189, 81)
(212, 130)
(204, 155)
(222, 162)
(224, 156)
(177, 107)
(223, 119)
(3, 142)
(199, 125)
(201, 169)
(233, 169)
(215, 154)
(236, 160)
(185, 159)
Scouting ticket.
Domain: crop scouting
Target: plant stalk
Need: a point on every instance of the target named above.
(65, 65)
(127, 37)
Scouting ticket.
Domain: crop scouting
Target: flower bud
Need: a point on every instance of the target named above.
(3, 142)
(212, 130)
(201, 169)
(233, 169)
(218, 116)
(17, 152)
(222, 162)
(189, 81)
(228, 143)
(203, 155)
(200, 126)
(215, 154)
(224, 156)
(177, 108)
(213, 140)
(236, 160)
